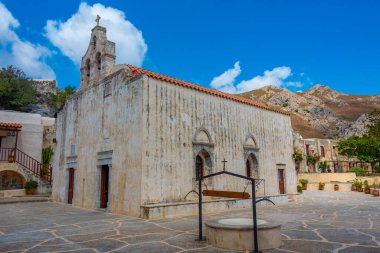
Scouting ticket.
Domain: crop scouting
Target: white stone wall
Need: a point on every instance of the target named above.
(173, 114)
(31, 135)
(90, 123)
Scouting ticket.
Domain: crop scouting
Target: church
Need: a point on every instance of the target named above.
(134, 142)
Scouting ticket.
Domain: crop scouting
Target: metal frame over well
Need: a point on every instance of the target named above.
(254, 216)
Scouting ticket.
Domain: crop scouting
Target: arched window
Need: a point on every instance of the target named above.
(251, 166)
(202, 163)
(94, 42)
(98, 61)
(88, 68)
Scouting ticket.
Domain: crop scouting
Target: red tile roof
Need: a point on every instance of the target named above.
(139, 71)
(10, 125)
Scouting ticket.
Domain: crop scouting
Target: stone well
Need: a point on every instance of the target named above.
(237, 234)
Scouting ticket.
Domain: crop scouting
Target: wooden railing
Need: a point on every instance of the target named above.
(43, 171)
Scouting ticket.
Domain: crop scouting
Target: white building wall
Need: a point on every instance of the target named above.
(173, 114)
(31, 135)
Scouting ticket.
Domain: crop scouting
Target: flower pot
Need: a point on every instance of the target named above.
(360, 189)
(304, 187)
(375, 192)
(321, 188)
(353, 187)
(336, 187)
(30, 191)
(367, 190)
(11, 159)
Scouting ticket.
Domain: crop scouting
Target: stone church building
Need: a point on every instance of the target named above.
(133, 141)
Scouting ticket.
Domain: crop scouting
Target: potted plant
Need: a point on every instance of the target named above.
(336, 187)
(321, 186)
(304, 182)
(353, 186)
(47, 154)
(30, 187)
(367, 189)
(359, 186)
(299, 188)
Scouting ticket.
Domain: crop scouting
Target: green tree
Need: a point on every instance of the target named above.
(365, 148)
(57, 101)
(15, 89)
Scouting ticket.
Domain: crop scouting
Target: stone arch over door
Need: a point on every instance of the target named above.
(251, 143)
(202, 136)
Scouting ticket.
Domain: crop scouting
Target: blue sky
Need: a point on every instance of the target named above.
(233, 46)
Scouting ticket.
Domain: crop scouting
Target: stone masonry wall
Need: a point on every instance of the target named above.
(172, 116)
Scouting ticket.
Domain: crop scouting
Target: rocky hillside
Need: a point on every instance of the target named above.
(44, 89)
(320, 111)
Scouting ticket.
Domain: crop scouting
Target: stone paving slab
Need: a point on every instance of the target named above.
(325, 222)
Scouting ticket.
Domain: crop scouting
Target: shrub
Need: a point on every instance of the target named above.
(321, 184)
(57, 101)
(47, 154)
(358, 171)
(323, 166)
(299, 188)
(312, 159)
(303, 181)
(285, 104)
(30, 184)
(358, 184)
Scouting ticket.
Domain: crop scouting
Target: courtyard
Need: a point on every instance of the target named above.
(324, 222)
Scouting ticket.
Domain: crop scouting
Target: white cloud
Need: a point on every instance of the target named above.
(21, 53)
(226, 80)
(72, 36)
(273, 77)
(276, 77)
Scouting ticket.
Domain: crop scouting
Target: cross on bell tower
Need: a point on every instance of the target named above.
(97, 19)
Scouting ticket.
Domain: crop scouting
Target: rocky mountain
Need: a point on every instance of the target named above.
(321, 112)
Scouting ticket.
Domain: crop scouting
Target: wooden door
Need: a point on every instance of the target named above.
(281, 181)
(70, 193)
(104, 186)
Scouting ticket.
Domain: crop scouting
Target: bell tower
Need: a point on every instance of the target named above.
(99, 58)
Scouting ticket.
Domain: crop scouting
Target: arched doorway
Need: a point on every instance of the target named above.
(202, 163)
(251, 166)
(11, 180)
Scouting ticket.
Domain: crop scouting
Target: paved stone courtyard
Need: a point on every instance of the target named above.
(324, 222)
